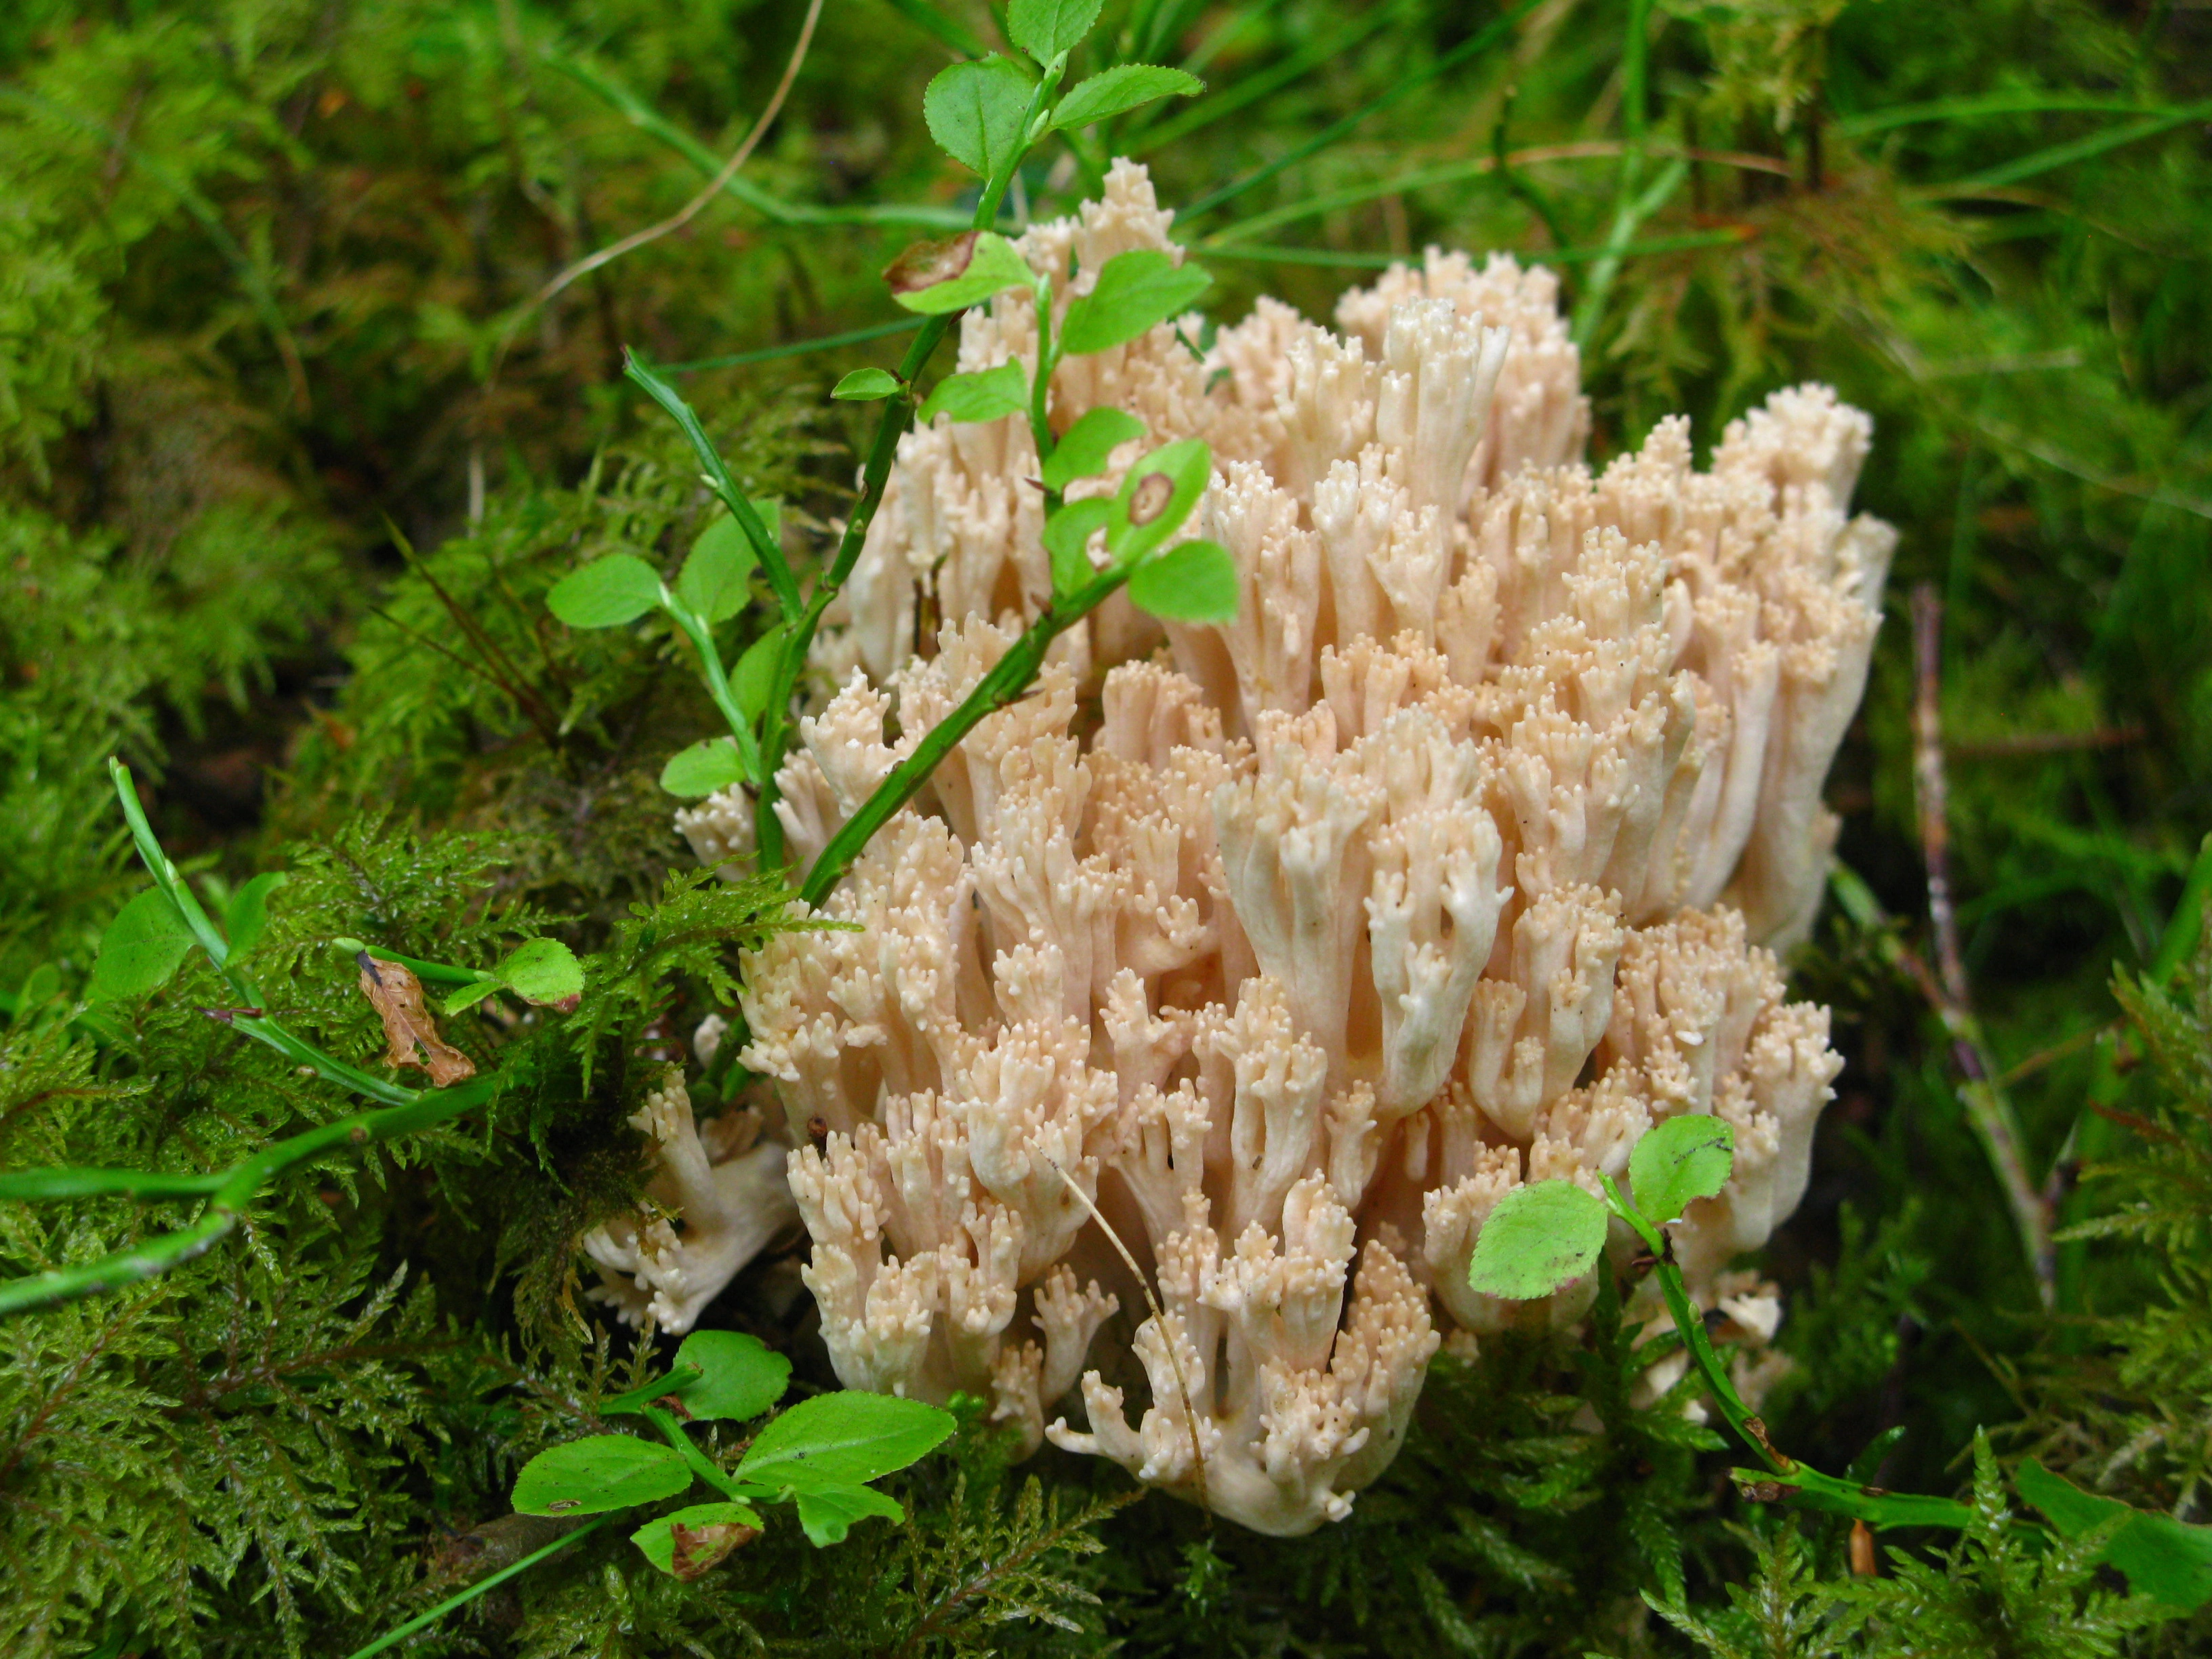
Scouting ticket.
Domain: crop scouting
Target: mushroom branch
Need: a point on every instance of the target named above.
(146, 928)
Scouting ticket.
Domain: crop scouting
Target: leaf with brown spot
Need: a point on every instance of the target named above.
(925, 263)
(692, 1541)
(397, 996)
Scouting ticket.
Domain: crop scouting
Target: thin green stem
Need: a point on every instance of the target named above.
(897, 417)
(391, 1638)
(766, 549)
(701, 1465)
(1007, 681)
(230, 1196)
(795, 348)
(1041, 381)
(696, 629)
(436, 973)
(2059, 155)
(1630, 214)
(1978, 105)
(1816, 1490)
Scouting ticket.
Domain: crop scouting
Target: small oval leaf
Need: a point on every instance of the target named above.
(1046, 28)
(1537, 1239)
(710, 764)
(247, 913)
(1089, 445)
(864, 385)
(1142, 517)
(844, 1439)
(828, 1515)
(545, 972)
(143, 947)
(1682, 1160)
(937, 277)
(1191, 582)
(712, 583)
(753, 681)
(1068, 538)
(1118, 90)
(1136, 291)
(606, 592)
(739, 1376)
(599, 1472)
(986, 394)
(974, 110)
(686, 1542)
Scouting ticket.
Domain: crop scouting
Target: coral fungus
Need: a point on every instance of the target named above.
(1286, 947)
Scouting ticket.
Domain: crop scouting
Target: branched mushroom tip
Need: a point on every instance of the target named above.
(1286, 947)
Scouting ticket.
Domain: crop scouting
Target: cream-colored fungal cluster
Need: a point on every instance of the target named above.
(1286, 948)
(722, 1181)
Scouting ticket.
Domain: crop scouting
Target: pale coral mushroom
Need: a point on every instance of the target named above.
(720, 1182)
(1456, 861)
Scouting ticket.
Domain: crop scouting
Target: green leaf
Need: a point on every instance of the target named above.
(247, 913)
(1156, 498)
(1089, 443)
(754, 679)
(2166, 1559)
(1136, 291)
(712, 583)
(1537, 1239)
(1191, 582)
(975, 112)
(1068, 536)
(599, 1472)
(937, 277)
(141, 948)
(711, 763)
(711, 1532)
(987, 394)
(1684, 1159)
(842, 1439)
(739, 1376)
(1046, 28)
(469, 995)
(828, 1513)
(606, 592)
(545, 972)
(864, 385)
(1118, 90)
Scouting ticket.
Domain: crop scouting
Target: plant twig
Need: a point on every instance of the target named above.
(1007, 682)
(1981, 1093)
(875, 476)
(1787, 1477)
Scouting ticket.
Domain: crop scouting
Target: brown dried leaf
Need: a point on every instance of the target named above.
(397, 996)
(925, 264)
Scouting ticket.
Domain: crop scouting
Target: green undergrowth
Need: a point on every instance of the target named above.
(291, 454)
